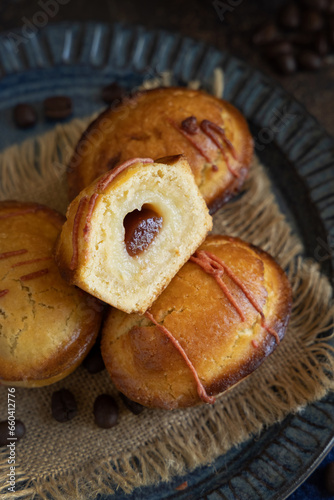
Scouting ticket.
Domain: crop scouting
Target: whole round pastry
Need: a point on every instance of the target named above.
(47, 327)
(221, 316)
(210, 132)
(129, 232)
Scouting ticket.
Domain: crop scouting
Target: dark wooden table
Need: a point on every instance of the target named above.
(198, 19)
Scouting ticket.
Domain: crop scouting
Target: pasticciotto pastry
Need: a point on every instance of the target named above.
(129, 233)
(46, 326)
(210, 132)
(220, 317)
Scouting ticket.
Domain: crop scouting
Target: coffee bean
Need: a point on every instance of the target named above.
(58, 107)
(63, 405)
(329, 478)
(25, 115)
(290, 16)
(312, 21)
(321, 44)
(274, 49)
(112, 93)
(285, 64)
(307, 59)
(190, 125)
(94, 362)
(5, 437)
(134, 407)
(105, 411)
(265, 34)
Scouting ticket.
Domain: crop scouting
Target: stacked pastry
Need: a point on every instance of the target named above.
(190, 316)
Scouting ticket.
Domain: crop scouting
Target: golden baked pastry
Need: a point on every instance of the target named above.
(129, 233)
(210, 132)
(46, 326)
(220, 317)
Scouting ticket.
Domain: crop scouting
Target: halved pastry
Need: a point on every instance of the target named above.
(220, 317)
(210, 132)
(46, 326)
(129, 233)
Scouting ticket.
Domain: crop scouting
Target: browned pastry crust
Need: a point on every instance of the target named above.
(145, 364)
(47, 326)
(150, 124)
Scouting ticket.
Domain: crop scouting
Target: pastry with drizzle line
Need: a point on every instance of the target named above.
(47, 326)
(222, 315)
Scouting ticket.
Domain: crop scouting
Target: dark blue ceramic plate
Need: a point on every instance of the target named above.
(77, 60)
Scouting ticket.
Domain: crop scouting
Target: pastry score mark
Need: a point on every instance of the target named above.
(210, 266)
(200, 388)
(216, 263)
(101, 186)
(191, 140)
(7, 255)
(32, 261)
(110, 176)
(90, 209)
(210, 130)
(75, 232)
(34, 275)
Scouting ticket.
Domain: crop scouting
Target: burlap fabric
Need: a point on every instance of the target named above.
(77, 460)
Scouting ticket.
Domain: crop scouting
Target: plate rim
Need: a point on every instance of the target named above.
(226, 58)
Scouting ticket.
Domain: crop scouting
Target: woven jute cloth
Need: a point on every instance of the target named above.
(78, 460)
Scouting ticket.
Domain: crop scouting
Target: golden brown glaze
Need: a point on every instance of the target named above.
(46, 326)
(151, 123)
(222, 346)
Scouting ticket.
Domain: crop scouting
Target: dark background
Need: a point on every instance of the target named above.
(198, 19)
(233, 30)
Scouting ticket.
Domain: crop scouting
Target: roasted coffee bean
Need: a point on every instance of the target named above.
(190, 125)
(275, 49)
(5, 437)
(112, 93)
(329, 478)
(63, 405)
(312, 21)
(307, 59)
(267, 33)
(58, 107)
(105, 411)
(94, 362)
(321, 44)
(285, 64)
(290, 16)
(25, 115)
(134, 407)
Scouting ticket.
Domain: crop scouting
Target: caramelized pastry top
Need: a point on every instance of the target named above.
(227, 318)
(210, 132)
(46, 325)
